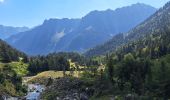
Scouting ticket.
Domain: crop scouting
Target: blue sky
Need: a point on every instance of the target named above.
(32, 12)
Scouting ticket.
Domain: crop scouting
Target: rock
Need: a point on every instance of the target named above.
(83, 96)
(2, 97)
(130, 97)
(68, 89)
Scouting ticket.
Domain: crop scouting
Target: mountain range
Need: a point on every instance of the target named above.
(79, 35)
(7, 31)
(155, 26)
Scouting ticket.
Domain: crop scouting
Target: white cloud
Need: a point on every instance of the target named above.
(1, 1)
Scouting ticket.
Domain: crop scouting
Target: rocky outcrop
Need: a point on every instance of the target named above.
(67, 89)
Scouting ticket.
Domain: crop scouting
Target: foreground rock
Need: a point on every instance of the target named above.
(67, 89)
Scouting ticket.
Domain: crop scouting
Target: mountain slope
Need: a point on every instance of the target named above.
(7, 53)
(144, 61)
(158, 23)
(44, 38)
(7, 31)
(97, 27)
(11, 71)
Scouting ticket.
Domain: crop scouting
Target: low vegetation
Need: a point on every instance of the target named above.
(137, 70)
(19, 67)
(43, 77)
(59, 62)
(10, 81)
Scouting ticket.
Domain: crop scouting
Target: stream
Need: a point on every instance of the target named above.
(34, 91)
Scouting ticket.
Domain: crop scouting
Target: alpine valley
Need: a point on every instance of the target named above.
(121, 54)
(79, 35)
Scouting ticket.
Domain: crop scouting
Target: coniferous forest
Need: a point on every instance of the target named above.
(133, 65)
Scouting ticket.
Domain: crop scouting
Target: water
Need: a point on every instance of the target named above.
(34, 91)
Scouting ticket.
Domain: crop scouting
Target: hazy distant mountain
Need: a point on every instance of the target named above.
(157, 26)
(44, 38)
(99, 26)
(7, 31)
(80, 34)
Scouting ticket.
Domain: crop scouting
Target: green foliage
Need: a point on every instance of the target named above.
(157, 24)
(10, 82)
(111, 68)
(143, 59)
(143, 76)
(7, 53)
(58, 62)
(10, 71)
(49, 96)
(19, 67)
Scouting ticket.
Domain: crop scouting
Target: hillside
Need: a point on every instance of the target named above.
(7, 31)
(12, 68)
(121, 54)
(43, 39)
(8, 54)
(158, 23)
(139, 67)
(97, 27)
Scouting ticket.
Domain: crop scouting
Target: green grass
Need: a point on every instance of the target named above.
(43, 77)
(19, 67)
